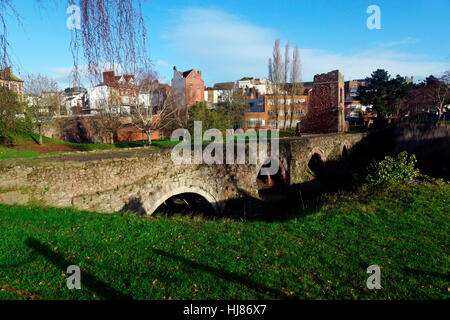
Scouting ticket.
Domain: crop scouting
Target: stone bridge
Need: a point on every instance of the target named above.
(141, 179)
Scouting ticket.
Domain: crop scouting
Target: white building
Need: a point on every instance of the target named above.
(221, 92)
(97, 98)
(262, 85)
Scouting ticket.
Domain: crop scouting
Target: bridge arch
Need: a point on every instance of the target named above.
(345, 148)
(265, 179)
(316, 160)
(155, 200)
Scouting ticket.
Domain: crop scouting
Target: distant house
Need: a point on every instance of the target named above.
(117, 93)
(260, 85)
(221, 92)
(75, 101)
(188, 86)
(48, 103)
(10, 81)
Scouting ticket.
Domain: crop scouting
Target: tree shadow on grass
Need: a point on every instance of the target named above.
(88, 280)
(435, 274)
(229, 276)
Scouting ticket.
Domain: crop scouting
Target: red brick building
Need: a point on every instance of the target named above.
(261, 113)
(10, 81)
(188, 86)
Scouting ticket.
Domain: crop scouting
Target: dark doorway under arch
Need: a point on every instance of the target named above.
(189, 204)
(344, 151)
(271, 186)
(316, 164)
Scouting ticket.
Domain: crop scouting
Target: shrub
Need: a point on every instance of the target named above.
(392, 170)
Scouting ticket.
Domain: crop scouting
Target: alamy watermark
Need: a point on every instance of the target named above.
(374, 20)
(74, 281)
(374, 281)
(74, 21)
(258, 147)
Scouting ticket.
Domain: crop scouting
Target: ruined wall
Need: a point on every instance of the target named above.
(326, 108)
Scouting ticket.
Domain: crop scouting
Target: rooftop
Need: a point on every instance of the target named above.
(7, 74)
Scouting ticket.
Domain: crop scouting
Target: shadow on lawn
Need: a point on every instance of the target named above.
(88, 280)
(228, 276)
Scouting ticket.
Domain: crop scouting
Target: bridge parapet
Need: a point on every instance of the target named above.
(141, 180)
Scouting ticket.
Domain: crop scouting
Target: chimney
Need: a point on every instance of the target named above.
(108, 76)
(200, 73)
(8, 72)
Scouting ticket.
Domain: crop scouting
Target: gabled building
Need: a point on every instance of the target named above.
(10, 81)
(75, 101)
(188, 86)
(118, 93)
(221, 92)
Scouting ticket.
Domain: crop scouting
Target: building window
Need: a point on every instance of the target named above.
(198, 85)
(191, 85)
(255, 123)
(194, 76)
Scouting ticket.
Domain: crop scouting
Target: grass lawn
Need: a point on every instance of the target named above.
(11, 153)
(26, 147)
(320, 254)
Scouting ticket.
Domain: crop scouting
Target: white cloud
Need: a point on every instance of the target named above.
(64, 76)
(361, 65)
(226, 48)
(405, 41)
(222, 45)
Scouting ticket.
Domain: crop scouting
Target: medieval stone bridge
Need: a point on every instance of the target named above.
(142, 180)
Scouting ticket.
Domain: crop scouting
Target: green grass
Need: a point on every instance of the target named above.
(14, 153)
(9, 153)
(119, 145)
(320, 255)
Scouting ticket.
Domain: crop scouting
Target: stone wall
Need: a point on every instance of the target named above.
(87, 130)
(141, 179)
(326, 108)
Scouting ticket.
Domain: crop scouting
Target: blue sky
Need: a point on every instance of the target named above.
(231, 39)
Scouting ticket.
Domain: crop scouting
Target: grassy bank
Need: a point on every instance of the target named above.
(26, 146)
(317, 255)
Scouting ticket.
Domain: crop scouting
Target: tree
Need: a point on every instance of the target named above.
(232, 110)
(111, 30)
(10, 107)
(296, 87)
(285, 88)
(276, 78)
(209, 118)
(156, 108)
(43, 99)
(432, 93)
(109, 121)
(438, 93)
(383, 93)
